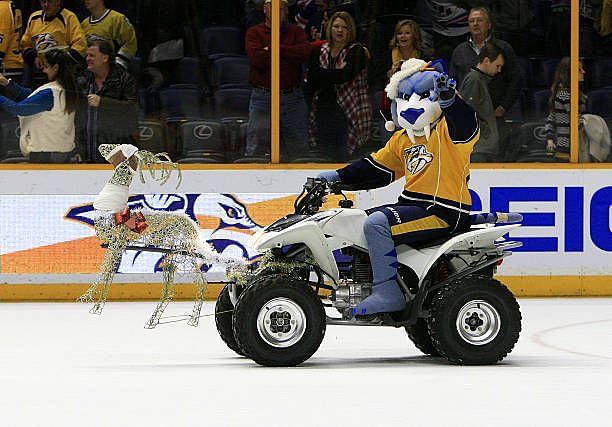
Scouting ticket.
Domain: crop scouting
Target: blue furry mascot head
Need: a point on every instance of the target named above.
(414, 92)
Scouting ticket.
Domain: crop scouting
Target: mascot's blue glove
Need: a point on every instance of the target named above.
(443, 90)
(329, 176)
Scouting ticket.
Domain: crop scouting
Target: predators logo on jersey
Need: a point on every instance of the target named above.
(44, 41)
(417, 158)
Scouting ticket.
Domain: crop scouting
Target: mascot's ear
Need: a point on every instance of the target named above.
(439, 65)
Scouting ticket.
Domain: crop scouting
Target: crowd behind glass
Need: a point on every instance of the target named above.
(192, 78)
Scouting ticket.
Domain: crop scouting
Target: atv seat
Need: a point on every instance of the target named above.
(475, 219)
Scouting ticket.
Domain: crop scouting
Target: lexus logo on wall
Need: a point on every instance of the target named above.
(202, 132)
(145, 133)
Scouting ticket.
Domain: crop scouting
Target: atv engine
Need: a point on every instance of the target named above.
(355, 279)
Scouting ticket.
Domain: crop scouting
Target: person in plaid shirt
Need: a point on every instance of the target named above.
(337, 73)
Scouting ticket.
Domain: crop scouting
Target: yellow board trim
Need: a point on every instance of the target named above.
(521, 286)
(422, 224)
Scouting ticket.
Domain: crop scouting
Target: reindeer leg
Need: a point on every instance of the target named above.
(201, 284)
(112, 258)
(169, 268)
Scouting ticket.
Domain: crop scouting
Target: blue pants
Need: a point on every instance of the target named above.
(391, 225)
(293, 124)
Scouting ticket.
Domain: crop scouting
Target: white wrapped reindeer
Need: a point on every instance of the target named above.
(175, 234)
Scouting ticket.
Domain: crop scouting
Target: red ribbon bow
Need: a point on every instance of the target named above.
(135, 223)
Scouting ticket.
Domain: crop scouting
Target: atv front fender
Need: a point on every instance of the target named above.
(307, 233)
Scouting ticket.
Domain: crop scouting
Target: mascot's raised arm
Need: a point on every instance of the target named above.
(432, 151)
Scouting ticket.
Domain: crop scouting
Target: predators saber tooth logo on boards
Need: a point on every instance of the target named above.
(417, 158)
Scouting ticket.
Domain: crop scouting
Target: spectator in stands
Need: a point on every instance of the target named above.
(475, 91)
(111, 114)
(308, 17)
(294, 50)
(53, 26)
(405, 44)
(558, 35)
(558, 120)
(46, 115)
(341, 111)
(449, 25)
(107, 24)
(505, 86)
(11, 62)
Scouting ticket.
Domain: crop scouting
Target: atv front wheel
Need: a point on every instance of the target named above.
(279, 322)
(474, 321)
(223, 320)
(419, 335)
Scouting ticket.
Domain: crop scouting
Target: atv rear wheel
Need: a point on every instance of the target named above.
(419, 335)
(474, 321)
(223, 320)
(279, 322)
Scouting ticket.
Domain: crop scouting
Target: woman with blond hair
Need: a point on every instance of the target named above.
(405, 44)
(338, 75)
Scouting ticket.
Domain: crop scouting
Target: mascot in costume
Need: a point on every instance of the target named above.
(432, 151)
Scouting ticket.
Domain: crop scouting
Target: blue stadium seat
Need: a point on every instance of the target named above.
(540, 107)
(202, 139)
(601, 73)
(152, 136)
(235, 131)
(186, 71)
(232, 102)
(180, 103)
(216, 42)
(9, 142)
(526, 71)
(543, 72)
(600, 102)
(232, 72)
(533, 143)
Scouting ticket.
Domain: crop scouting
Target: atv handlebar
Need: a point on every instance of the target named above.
(313, 195)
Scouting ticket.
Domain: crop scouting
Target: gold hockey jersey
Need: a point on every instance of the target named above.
(436, 171)
(115, 28)
(62, 30)
(10, 31)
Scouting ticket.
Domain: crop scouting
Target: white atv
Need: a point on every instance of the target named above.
(313, 260)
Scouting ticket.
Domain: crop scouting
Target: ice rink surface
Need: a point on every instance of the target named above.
(62, 366)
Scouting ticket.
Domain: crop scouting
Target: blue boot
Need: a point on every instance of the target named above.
(386, 297)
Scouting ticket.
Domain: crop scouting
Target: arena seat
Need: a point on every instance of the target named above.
(539, 105)
(180, 103)
(235, 132)
(186, 71)
(232, 72)
(232, 102)
(9, 142)
(533, 143)
(152, 136)
(543, 72)
(202, 139)
(216, 42)
(601, 73)
(526, 71)
(599, 102)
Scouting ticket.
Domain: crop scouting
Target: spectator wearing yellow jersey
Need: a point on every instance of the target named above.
(11, 63)
(112, 26)
(53, 26)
